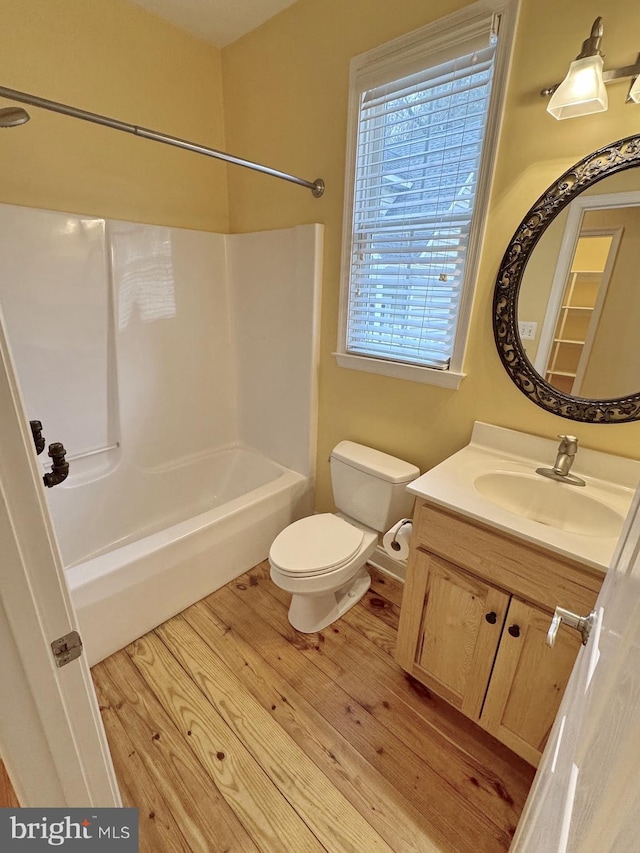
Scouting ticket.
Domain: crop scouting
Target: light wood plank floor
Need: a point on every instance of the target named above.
(231, 731)
(8, 799)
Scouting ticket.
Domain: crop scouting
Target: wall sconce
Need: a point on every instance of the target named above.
(583, 89)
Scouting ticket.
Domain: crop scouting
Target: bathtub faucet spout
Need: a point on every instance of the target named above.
(60, 466)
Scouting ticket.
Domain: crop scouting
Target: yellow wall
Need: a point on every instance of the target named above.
(615, 345)
(285, 103)
(114, 58)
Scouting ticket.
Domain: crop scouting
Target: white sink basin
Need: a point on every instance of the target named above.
(549, 502)
(493, 480)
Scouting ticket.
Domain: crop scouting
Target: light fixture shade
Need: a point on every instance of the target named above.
(634, 93)
(581, 92)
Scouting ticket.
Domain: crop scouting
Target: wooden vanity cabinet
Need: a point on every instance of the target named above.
(475, 613)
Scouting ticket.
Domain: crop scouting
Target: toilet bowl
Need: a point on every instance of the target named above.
(321, 560)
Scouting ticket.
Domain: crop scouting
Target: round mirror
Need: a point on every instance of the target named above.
(567, 298)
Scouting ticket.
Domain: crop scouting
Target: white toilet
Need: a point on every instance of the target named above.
(321, 559)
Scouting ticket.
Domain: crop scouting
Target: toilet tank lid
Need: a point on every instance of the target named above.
(375, 462)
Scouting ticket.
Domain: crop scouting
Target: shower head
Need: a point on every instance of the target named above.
(13, 116)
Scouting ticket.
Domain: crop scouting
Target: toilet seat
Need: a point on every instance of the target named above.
(315, 545)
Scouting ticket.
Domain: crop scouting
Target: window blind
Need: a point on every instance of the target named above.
(418, 154)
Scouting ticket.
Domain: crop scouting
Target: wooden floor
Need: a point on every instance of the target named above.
(8, 799)
(230, 731)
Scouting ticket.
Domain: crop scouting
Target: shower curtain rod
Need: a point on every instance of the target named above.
(316, 187)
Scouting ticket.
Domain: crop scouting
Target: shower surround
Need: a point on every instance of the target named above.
(179, 369)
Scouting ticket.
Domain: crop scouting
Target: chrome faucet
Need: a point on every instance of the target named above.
(564, 460)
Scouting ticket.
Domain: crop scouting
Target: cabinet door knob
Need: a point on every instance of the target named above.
(514, 630)
(491, 617)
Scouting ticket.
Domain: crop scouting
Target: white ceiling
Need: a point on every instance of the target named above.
(217, 21)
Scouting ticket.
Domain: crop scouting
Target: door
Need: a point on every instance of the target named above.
(51, 735)
(528, 680)
(462, 621)
(586, 794)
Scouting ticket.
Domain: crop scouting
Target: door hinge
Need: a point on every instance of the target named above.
(67, 648)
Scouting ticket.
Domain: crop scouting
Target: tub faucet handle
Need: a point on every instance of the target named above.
(38, 438)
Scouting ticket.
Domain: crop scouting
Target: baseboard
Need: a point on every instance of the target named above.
(382, 561)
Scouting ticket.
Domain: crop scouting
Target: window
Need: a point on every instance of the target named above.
(423, 126)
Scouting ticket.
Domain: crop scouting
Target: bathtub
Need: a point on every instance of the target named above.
(125, 583)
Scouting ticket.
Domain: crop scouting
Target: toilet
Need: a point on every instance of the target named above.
(321, 560)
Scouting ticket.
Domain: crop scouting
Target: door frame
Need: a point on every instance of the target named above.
(52, 740)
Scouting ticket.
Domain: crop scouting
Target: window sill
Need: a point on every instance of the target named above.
(397, 370)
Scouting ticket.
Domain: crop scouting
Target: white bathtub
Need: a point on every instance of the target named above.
(122, 592)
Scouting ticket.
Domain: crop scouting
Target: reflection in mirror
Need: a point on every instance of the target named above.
(549, 277)
(579, 302)
(566, 364)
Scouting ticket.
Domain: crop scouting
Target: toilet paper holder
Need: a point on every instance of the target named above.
(394, 542)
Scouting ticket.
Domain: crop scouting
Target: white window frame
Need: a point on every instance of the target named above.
(399, 58)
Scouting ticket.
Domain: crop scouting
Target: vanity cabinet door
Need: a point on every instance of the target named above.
(528, 680)
(462, 618)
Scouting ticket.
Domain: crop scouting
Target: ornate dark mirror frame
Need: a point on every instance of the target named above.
(613, 158)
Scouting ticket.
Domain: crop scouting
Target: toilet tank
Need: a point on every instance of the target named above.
(370, 486)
